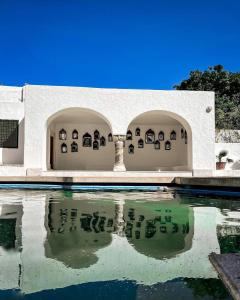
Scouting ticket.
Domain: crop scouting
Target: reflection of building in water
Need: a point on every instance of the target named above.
(10, 226)
(76, 230)
(160, 230)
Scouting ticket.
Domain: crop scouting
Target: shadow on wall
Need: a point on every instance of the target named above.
(15, 155)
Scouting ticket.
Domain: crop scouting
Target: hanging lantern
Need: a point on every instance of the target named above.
(75, 134)
(157, 145)
(129, 135)
(64, 148)
(140, 143)
(168, 145)
(173, 135)
(62, 134)
(138, 132)
(110, 137)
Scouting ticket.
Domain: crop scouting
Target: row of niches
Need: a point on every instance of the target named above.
(94, 145)
(150, 137)
(86, 138)
(156, 144)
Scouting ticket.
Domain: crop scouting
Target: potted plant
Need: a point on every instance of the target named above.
(220, 165)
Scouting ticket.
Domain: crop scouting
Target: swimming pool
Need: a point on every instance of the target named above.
(114, 245)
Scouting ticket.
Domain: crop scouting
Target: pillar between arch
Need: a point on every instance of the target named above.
(119, 141)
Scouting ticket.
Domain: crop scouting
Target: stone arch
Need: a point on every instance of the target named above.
(84, 121)
(150, 158)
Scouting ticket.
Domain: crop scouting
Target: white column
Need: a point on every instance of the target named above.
(119, 147)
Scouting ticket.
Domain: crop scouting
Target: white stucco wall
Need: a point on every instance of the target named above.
(12, 108)
(150, 159)
(120, 107)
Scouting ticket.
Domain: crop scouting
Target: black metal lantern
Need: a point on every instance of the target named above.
(129, 135)
(64, 148)
(95, 145)
(138, 132)
(185, 137)
(161, 136)
(87, 140)
(173, 135)
(131, 149)
(157, 145)
(62, 134)
(75, 134)
(150, 137)
(167, 145)
(96, 135)
(140, 143)
(110, 137)
(182, 133)
(74, 147)
(102, 141)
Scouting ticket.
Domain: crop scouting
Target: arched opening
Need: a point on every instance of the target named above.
(78, 139)
(162, 141)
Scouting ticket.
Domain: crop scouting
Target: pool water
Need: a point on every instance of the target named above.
(106, 245)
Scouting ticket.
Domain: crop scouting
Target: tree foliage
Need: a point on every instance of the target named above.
(226, 86)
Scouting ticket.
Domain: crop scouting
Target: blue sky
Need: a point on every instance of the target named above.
(149, 44)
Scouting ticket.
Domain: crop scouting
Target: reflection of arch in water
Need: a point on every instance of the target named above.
(159, 229)
(76, 230)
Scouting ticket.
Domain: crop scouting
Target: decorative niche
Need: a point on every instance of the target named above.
(129, 135)
(75, 134)
(168, 145)
(182, 133)
(185, 137)
(137, 132)
(74, 147)
(131, 149)
(62, 134)
(157, 145)
(173, 135)
(64, 148)
(150, 137)
(140, 143)
(110, 137)
(95, 145)
(161, 136)
(96, 135)
(102, 141)
(87, 140)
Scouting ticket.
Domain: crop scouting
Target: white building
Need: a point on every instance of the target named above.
(45, 128)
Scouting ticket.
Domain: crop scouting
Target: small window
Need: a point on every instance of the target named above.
(161, 136)
(8, 133)
(87, 140)
(75, 134)
(62, 134)
(131, 149)
(140, 143)
(96, 135)
(129, 135)
(102, 141)
(173, 135)
(64, 148)
(110, 137)
(138, 132)
(150, 137)
(74, 147)
(95, 145)
(168, 145)
(157, 145)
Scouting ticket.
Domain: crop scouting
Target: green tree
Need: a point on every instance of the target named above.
(226, 86)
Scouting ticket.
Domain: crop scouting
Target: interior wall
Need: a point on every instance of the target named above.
(150, 159)
(86, 158)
